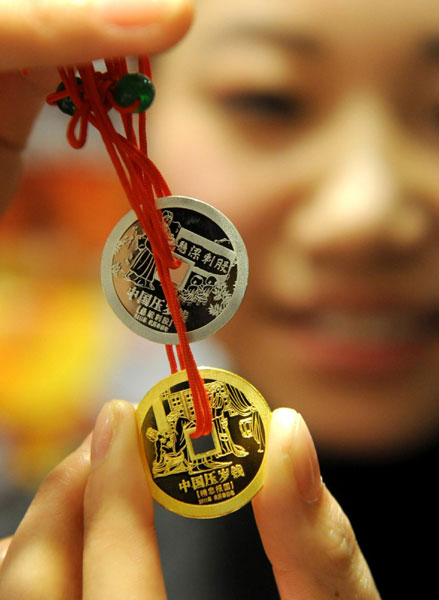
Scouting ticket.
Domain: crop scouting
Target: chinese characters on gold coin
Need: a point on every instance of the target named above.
(210, 281)
(212, 475)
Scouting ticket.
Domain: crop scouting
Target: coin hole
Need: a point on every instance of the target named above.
(202, 444)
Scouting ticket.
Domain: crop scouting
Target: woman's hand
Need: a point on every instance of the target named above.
(38, 35)
(89, 531)
(307, 537)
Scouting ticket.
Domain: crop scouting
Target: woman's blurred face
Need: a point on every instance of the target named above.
(312, 125)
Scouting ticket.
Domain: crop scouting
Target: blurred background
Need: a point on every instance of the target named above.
(63, 352)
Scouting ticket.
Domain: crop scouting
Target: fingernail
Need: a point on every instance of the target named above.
(128, 13)
(305, 463)
(103, 433)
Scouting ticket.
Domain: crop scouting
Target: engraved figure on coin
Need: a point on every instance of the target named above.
(220, 405)
(166, 460)
(170, 446)
(235, 403)
(142, 269)
(191, 294)
(172, 227)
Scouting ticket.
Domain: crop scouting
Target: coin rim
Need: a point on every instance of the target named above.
(239, 289)
(205, 511)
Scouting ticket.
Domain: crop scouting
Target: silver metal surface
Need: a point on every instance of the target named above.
(210, 282)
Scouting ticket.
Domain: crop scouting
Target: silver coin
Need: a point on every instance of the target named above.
(210, 282)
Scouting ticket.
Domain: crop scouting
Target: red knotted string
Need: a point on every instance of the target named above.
(143, 183)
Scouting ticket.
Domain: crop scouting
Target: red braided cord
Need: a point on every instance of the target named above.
(171, 358)
(142, 182)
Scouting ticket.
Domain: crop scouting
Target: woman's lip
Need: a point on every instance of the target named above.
(380, 326)
(346, 357)
(356, 300)
(356, 342)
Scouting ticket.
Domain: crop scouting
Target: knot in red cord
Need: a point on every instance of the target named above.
(71, 98)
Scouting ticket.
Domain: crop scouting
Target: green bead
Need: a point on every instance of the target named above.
(132, 87)
(66, 105)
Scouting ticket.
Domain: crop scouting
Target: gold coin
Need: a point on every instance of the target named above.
(212, 475)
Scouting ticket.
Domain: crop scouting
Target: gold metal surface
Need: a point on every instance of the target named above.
(213, 475)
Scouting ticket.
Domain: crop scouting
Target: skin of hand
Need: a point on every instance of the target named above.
(89, 531)
(306, 535)
(38, 35)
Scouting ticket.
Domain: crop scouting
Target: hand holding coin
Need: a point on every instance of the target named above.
(89, 532)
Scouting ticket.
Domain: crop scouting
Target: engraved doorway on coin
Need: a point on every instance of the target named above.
(210, 281)
(225, 464)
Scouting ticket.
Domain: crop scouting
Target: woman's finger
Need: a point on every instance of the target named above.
(38, 35)
(121, 557)
(44, 559)
(306, 535)
(52, 32)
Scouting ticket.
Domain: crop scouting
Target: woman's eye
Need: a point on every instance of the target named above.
(265, 105)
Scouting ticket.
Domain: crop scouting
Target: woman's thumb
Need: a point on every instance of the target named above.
(307, 537)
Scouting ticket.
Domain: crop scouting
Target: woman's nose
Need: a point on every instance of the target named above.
(360, 207)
